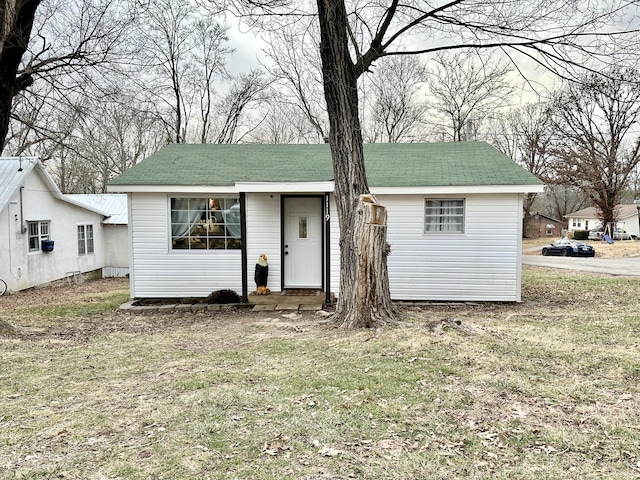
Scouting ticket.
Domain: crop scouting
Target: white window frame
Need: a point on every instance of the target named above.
(86, 244)
(209, 223)
(43, 228)
(438, 213)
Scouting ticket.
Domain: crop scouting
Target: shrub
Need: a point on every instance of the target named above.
(581, 234)
(223, 296)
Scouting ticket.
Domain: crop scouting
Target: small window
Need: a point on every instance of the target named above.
(444, 216)
(205, 223)
(85, 239)
(302, 227)
(38, 231)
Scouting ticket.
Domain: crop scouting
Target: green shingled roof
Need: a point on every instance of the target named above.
(387, 165)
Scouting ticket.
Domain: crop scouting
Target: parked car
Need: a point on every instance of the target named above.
(569, 248)
(595, 234)
(618, 234)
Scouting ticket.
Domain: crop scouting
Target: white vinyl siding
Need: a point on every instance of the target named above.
(165, 273)
(263, 236)
(482, 264)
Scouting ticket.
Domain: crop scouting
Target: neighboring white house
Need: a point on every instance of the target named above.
(587, 219)
(115, 229)
(200, 215)
(44, 235)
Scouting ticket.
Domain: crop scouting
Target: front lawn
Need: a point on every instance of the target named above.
(549, 388)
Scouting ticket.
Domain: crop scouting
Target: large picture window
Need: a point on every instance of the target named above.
(205, 223)
(85, 239)
(38, 231)
(444, 216)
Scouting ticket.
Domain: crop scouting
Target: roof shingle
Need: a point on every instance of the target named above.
(387, 165)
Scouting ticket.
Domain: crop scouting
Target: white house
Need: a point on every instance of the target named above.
(115, 229)
(44, 235)
(587, 219)
(200, 215)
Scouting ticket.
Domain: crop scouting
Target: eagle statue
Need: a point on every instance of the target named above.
(260, 276)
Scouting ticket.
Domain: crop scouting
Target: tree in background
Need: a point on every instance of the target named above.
(182, 50)
(466, 87)
(594, 146)
(62, 44)
(397, 112)
(248, 88)
(561, 199)
(107, 138)
(524, 134)
(292, 49)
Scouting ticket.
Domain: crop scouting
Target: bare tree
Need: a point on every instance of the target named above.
(294, 64)
(104, 138)
(524, 135)
(247, 89)
(16, 22)
(466, 87)
(211, 40)
(398, 111)
(65, 44)
(167, 45)
(561, 199)
(595, 148)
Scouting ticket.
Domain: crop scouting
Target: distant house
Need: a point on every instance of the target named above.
(587, 219)
(541, 226)
(200, 215)
(45, 235)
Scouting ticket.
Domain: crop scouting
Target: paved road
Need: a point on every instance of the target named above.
(629, 266)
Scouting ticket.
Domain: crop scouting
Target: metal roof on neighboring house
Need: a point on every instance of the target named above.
(13, 172)
(387, 165)
(114, 204)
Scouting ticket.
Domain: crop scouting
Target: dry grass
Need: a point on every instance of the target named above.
(618, 249)
(548, 388)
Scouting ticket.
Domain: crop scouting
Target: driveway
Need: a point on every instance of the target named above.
(629, 266)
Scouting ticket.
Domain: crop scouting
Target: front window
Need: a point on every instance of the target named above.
(205, 223)
(38, 231)
(444, 216)
(85, 239)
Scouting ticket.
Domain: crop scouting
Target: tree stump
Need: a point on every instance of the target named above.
(373, 306)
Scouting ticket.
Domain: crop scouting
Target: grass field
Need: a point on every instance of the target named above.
(545, 389)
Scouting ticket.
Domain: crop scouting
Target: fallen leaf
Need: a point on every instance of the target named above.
(329, 452)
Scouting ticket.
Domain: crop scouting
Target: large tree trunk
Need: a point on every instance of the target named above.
(16, 22)
(364, 298)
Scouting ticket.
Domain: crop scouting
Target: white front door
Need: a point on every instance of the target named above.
(302, 242)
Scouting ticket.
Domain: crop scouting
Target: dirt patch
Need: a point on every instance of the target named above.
(56, 294)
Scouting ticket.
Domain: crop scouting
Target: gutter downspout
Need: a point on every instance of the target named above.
(23, 227)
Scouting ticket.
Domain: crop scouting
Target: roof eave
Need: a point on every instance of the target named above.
(457, 189)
